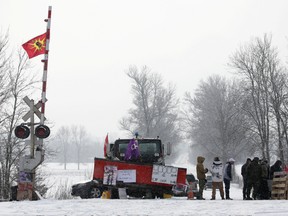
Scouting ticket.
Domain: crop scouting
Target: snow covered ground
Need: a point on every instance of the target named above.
(174, 206)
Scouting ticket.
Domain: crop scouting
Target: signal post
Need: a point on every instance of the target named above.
(29, 163)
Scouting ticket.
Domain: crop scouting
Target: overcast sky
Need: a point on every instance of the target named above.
(94, 42)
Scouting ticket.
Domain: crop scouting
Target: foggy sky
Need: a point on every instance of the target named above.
(93, 43)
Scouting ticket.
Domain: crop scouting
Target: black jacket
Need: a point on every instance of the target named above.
(276, 167)
(254, 171)
(244, 170)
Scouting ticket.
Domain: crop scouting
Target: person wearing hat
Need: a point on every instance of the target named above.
(254, 173)
(228, 177)
(217, 178)
(201, 175)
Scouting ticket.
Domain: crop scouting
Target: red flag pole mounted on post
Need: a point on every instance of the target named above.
(44, 130)
(45, 69)
(28, 165)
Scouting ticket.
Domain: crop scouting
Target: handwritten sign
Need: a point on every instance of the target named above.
(127, 176)
(110, 175)
(164, 174)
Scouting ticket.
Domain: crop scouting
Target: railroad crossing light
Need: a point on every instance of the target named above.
(42, 131)
(22, 131)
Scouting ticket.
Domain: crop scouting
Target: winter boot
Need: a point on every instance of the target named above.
(227, 194)
(200, 197)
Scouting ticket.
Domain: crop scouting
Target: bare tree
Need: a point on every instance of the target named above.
(4, 76)
(64, 148)
(284, 123)
(79, 138)
(155, 111)
(21, 83)
(63, 138)
(214, 121)
(258, 65)
(278, 96)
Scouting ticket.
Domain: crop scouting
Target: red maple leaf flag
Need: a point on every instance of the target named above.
(106, 143)
(35, 46)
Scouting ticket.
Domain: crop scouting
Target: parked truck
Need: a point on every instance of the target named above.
(144, 176)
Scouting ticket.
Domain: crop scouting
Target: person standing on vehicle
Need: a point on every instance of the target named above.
(201, 175)
(217, 178)
(228, 177)
(245, 179)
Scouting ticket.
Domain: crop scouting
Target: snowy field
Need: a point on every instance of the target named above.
(103, 207)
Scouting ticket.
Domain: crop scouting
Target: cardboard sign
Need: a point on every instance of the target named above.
(164, 174)
(127, 176)
(110, 175)
(25, 176)
(25, 186)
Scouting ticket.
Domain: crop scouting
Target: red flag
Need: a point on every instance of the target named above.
(35, 46)
(106, 143)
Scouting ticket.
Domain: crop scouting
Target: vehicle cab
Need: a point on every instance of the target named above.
(151, 150)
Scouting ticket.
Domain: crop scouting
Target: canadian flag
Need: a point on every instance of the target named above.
(105, 145)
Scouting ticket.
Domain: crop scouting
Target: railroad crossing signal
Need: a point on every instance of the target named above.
(41, 131)
(35, 109)
(22, 131)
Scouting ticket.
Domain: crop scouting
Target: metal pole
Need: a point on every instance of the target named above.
(32, 141)
(45, 69)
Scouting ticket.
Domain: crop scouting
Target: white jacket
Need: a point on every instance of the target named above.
(217, 171)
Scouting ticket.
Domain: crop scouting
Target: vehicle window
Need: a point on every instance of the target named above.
(148, 149)
(122, 147)
(190, 178)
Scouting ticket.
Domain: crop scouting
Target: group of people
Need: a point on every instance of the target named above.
(256, 175)
(219, 173)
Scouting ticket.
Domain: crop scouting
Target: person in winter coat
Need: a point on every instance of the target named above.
(244, 176)
(264, 192)
(254, 172)
(228, 177)
(276, 167)
(201, 171)
(217, 178)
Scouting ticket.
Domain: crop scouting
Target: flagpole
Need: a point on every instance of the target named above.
(45, 68)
